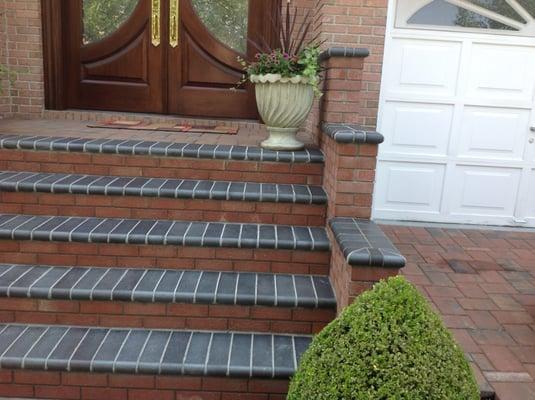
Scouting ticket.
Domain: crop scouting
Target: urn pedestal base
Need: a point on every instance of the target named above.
(282, 139)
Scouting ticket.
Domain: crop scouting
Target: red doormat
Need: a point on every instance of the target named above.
(164, 127)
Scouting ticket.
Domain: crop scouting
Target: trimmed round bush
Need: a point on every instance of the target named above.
(389, 344)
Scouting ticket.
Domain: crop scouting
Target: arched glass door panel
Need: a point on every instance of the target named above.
(103, 17)
(226, 20)
(484, 16)
(501, 7)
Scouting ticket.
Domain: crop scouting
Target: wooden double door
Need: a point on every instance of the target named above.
(163, 56)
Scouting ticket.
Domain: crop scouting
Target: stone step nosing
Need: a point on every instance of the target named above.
(162, 232)
(158, 149)
(148, 351)
(35, 182)
(165, 286)
(364, 244)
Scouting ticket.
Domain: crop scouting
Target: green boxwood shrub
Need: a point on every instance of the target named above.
(388, 344)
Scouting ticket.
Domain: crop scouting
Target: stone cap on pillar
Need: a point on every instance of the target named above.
(351, 134)
(364, 244)
(344, 52)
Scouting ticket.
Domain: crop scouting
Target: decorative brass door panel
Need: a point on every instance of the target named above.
(174, 23)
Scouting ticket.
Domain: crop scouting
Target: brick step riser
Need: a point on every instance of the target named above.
(161, 167)
(169, 257)
(113, 314)
(160, 208)
(91, 386)
(99, 116)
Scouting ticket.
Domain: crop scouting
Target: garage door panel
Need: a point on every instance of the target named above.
(435, 77)
(457, 104)
(530, 212)
(492, 133)
(484, 191)
(415, 128)
(501, 72)
(410, 187)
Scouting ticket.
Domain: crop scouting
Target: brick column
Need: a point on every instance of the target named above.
(361, 253)
(350, 151)
(343, 84)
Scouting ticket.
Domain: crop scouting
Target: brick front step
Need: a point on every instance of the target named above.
(163, 232)
(296, 320)
(165, 299)
(170, 257)
(165, 286)
(105, 196)
(143, 359)
(98, 386)
(163, 244)
(159, 159)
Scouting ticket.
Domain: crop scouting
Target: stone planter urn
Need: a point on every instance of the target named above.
(283, 104)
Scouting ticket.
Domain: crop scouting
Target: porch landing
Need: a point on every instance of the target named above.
(74, 124)
(483, 284)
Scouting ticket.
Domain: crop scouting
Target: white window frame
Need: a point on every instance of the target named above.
(407, 8)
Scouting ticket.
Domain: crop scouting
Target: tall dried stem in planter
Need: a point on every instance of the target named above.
(285, 22)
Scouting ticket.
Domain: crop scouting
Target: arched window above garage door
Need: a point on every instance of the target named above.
(483, 16)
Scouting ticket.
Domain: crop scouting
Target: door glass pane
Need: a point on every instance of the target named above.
(500, 7)
(227, 20)
(441, 13)
(529, 6)
(103, 17)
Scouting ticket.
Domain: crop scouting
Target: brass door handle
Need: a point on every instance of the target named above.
(155, 22)
(174, 23)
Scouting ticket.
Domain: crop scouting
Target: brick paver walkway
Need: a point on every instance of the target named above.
(483, 284)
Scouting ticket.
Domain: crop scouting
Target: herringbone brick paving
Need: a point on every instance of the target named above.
(482, 282)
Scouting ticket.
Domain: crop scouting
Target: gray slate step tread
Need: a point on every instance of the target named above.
(12, 181)
(165, 286)
(162, 232)
(155, 352)
(160, 149)
(364, 243)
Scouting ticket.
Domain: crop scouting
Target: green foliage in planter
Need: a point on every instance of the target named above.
(388, 345)
(292, 56)
(306, 64)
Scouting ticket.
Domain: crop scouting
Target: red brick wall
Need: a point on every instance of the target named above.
(349, 23)
(22, 53)
(5, 100)
(357, 23)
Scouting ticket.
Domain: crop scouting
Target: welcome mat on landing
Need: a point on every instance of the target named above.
(164, 127)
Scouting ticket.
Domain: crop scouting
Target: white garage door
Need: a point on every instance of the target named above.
(457, 113)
